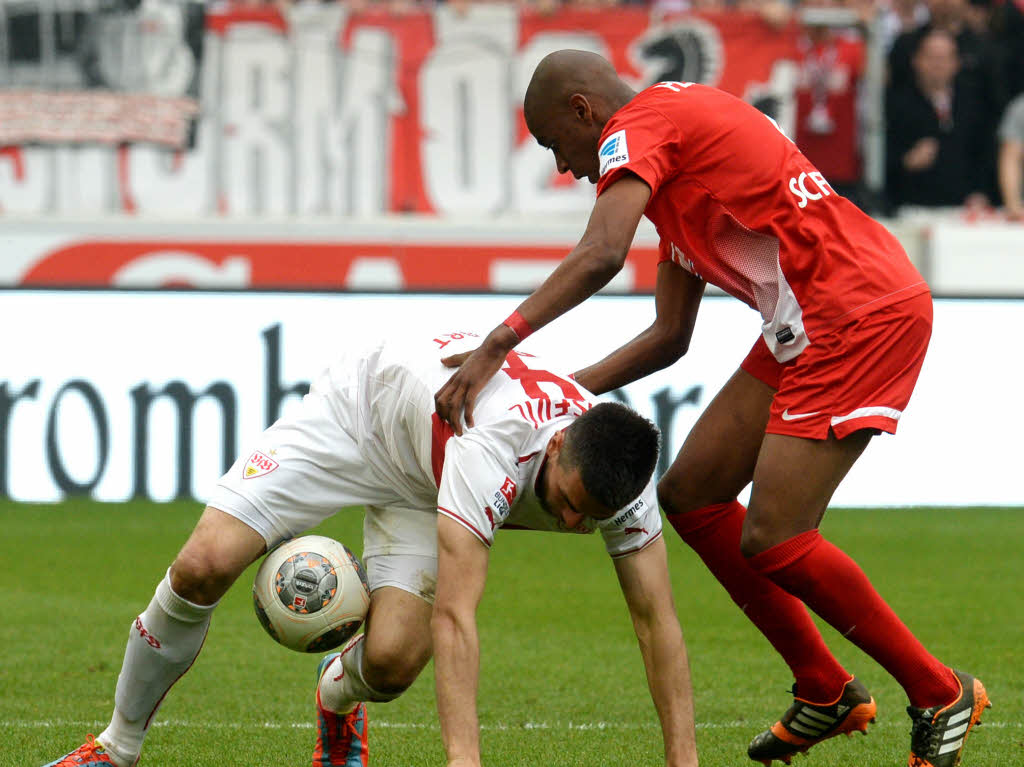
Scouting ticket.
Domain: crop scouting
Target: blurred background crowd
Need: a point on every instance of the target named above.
(902, 104)
(954, 91)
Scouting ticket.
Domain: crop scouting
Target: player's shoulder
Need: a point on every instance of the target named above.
(687, 107)
(674, 94)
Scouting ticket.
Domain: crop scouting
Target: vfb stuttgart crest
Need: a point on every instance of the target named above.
(258, 465)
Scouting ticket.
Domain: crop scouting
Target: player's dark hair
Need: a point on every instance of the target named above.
(615, 449)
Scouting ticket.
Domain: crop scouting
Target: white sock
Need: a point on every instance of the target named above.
(342, 686)
(162, 644)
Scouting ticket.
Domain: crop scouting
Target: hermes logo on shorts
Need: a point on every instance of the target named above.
(258, 465)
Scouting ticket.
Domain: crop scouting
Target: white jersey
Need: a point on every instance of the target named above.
(484, 479)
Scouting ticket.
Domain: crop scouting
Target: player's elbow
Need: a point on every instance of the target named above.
(602, 260)
(671, 341)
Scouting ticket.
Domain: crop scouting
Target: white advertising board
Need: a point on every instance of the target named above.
(121, 394)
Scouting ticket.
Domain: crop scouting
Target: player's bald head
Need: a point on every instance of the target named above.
(564, 73)
(571, 97)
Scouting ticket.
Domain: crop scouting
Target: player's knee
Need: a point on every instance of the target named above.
(758, 535)
(200, 575)
(671, 495)
(678, 494)
(390, 668)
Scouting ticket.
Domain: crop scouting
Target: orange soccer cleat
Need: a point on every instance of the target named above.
(806, 724)
(938, 734)
(341, 739)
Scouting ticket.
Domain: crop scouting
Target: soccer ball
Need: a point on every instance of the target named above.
(311, 594)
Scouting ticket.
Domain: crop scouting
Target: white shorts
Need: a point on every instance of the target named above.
(304, 469)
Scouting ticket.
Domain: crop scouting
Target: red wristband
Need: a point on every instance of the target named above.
(518, 325)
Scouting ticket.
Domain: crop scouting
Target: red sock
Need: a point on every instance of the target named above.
(714, 533)
(834, 586)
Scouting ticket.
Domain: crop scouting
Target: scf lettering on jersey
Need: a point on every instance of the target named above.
(797, 185)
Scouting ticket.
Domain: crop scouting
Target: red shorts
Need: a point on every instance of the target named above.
(855, 376)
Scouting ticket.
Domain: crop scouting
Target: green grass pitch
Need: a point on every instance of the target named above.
(562, 682)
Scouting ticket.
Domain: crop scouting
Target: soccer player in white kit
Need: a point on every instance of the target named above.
(541, 456)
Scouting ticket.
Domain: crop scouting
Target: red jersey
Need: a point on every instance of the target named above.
(736, 204)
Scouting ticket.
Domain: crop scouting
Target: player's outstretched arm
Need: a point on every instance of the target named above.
(597, 258)
(461, 573)
(645, 584)
(677, 296)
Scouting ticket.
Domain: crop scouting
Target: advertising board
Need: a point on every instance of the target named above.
(154, 394)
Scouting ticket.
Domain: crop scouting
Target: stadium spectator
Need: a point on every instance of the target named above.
(900, 17)
(1011, 159)
(846, 322)
(830, 67)
(978, 57)
(939, 140)
(1008, 29)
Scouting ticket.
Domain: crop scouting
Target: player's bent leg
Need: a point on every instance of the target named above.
(377, 665)
(699, 493)
(165, 639)
(217, 552)
(793, 483)
(717, 458)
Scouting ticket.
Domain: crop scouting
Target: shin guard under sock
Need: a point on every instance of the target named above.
(714, 533)
(162, 644)
(833, 586)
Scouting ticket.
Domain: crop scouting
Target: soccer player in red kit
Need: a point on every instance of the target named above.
(846, 321)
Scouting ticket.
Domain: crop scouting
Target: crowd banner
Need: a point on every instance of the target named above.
(322, 111)
(99, 73)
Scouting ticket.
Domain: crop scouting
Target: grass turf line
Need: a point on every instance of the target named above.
(561, 680)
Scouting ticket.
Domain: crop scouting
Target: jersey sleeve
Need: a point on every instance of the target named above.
(477, 488)
(635, 527)
(642, 141)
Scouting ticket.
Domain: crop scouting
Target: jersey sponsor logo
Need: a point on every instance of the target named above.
(798, 186)
(258, 465)
(613, 152)
(500, 504)
(508, 490)
(629, 513)
(787, 416)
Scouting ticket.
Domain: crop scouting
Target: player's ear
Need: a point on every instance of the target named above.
(581, 107)
(555, 444)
